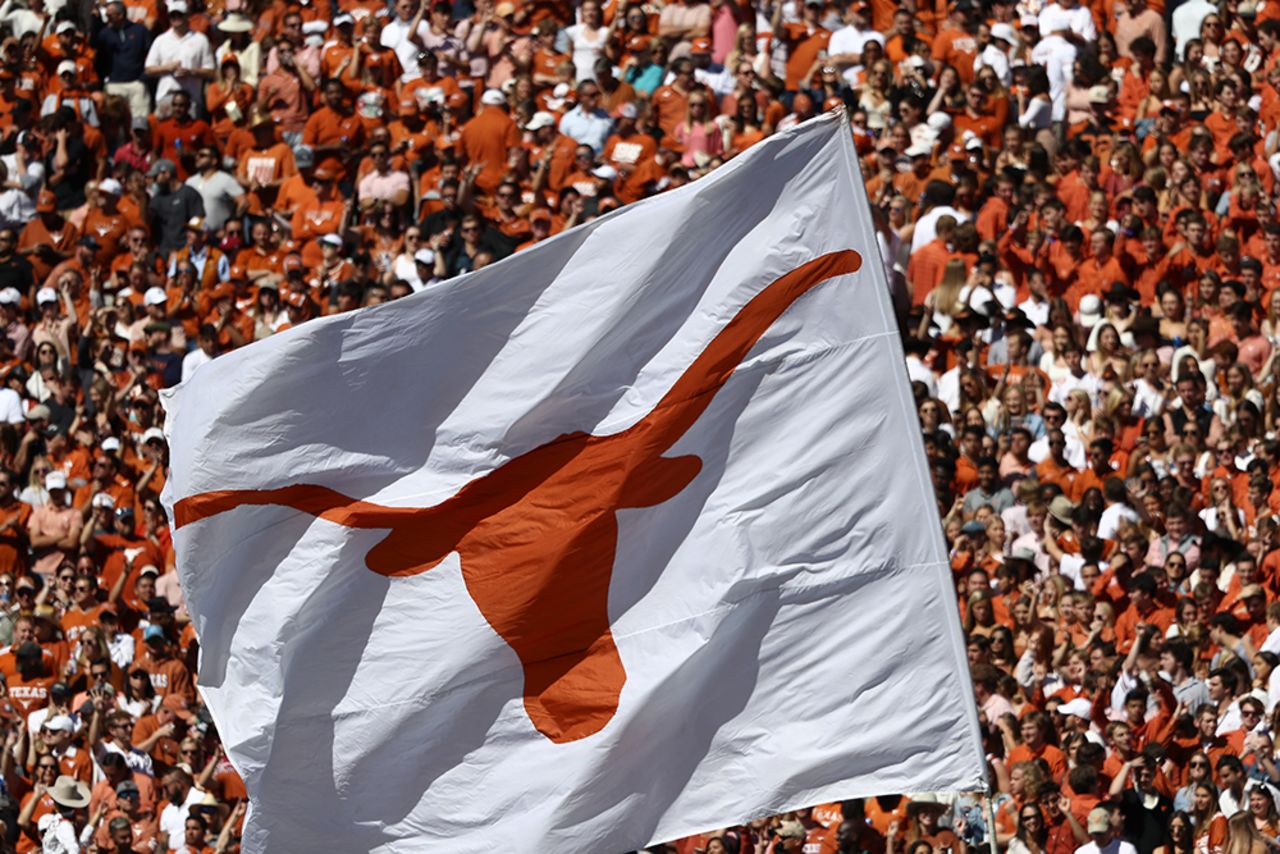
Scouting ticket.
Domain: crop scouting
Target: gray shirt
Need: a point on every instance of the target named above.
(219, 192)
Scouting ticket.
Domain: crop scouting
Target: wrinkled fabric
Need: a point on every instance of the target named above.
(782, 612)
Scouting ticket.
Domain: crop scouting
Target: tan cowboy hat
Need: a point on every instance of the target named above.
(70, 792)
(236, 24)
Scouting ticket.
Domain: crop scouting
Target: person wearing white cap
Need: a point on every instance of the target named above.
(487, 137)
(11, 324)
(180, 48)
(54, 528)
(71, 94)
(429, 268)
(995, 41)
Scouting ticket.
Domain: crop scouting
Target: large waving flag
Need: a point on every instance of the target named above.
(628, 537)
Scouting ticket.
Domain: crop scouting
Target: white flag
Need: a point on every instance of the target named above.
(626, 538)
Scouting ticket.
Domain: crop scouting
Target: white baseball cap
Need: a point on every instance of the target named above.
(10, 296)
(493, 97)
(424, 256)
(55, 480)
(45, 295)
(154, 296)
(539, 120)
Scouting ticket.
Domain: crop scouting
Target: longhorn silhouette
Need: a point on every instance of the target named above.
(536, 536)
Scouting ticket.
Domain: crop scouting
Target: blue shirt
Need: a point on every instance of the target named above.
(124, 51)
(587, 128)
(647, 79)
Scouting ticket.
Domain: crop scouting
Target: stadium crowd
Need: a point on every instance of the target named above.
(1076, 205)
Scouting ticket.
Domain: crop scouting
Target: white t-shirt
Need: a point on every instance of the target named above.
(927, 225)
(192, 51)
(11, 407)
(1054, 18)
(395, 36)
(173, 819)
(850, 39)
(1111, 519)
(1115, 846)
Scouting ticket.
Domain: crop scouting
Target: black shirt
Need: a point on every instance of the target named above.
(169, 214)
(122, 53)
(17, 272)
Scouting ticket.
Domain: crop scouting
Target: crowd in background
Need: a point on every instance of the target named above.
(1076, 208)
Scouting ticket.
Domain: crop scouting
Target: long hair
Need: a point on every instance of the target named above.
(1242, 834)
(946, 297)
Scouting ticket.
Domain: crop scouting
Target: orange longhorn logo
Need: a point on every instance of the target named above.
(536, 536)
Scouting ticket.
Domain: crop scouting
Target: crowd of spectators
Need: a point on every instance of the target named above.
(1076, 207)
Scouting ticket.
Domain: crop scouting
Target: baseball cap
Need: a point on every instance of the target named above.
(702, 44)
(103, 499)
(424, 256)
(1099, 94)
(1099, 820)
(152, 434)
(149, 569)
(153, 633)
(539, 120)
(177, 6)
(493, 97)
(1079, 707)
(141, 123)
(64, 27)
(46, 295)
(55, 480)
(46, 202)
(60, 723)
(10, 296)
(332, 240)
(112, 186)
(164, 164)
(626, 110)
(173, 702)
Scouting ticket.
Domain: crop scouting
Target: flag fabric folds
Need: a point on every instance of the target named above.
(627, 537)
